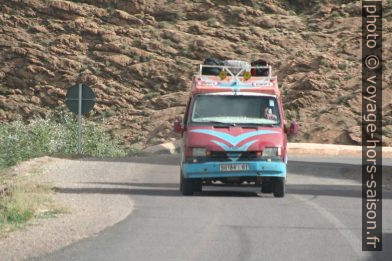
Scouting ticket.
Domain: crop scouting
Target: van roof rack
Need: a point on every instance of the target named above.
(224, 78)
(240, 69)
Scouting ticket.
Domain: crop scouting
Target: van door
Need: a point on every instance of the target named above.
(184, 132)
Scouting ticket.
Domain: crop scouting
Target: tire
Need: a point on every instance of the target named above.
(197, 185)
(267, 187)
(181, 181)
(279, 188)
(186, 186)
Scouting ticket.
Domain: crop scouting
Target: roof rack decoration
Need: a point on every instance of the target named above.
(235, 76)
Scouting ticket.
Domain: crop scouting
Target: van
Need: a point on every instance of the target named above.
(233, 130)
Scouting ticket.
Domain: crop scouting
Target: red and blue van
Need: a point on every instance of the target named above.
(233, 130)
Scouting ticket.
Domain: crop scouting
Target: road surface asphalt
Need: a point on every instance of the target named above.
(318, 219)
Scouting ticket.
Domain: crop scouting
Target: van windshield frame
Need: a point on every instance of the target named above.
(235, 110)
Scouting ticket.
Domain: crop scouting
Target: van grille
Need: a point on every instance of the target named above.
(225, 156)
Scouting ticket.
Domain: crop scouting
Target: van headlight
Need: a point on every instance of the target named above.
(199, 152)
(271, 152)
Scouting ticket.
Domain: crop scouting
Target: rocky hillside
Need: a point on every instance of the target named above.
(139, 57)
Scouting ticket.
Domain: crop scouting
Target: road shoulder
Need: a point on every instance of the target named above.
(85, 215)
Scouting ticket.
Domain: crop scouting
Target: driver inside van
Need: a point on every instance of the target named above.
(269, 115)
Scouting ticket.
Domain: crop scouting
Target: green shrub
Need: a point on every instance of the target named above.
(212, 21)
(343, 99)
(54, 136)
(342, 66)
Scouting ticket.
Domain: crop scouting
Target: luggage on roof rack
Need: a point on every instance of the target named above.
(209, 70)
(260, 71)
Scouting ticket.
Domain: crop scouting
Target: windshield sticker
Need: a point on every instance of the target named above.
(271, 103)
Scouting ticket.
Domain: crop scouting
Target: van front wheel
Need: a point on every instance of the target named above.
(279, 188)
(186, 186)
(267, 186)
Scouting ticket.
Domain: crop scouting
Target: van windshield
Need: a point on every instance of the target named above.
(236, 110)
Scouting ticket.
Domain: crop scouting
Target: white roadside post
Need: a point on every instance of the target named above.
(80, 119)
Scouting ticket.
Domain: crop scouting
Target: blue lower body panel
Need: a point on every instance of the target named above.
(256, 169)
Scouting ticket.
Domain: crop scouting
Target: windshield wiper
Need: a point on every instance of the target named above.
(219, 122)
(257, 124)
(239, 124)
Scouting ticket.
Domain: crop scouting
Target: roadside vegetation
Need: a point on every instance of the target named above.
(56, 136)
(21, 197)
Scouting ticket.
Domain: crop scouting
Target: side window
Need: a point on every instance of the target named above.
(185, 121)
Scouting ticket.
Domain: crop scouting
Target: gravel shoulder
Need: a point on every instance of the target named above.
(85, 213)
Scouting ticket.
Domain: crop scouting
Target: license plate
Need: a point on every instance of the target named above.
(234, 167)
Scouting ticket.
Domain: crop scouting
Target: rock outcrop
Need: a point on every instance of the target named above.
(139, 57)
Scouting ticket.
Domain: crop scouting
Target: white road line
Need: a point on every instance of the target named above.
(354, 242)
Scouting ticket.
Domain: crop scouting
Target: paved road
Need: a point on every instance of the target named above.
(319, 219)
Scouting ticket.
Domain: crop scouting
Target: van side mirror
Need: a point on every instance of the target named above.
(293, 128)
(177, 126)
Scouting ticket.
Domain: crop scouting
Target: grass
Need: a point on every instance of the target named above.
(22, 199)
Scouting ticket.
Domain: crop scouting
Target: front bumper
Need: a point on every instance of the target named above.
(256, 169)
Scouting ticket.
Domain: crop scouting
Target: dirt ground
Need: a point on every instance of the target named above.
(85, 214)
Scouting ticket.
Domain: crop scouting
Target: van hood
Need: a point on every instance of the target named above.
(234, 138)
